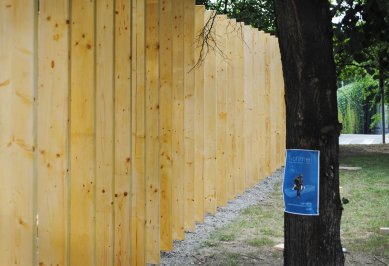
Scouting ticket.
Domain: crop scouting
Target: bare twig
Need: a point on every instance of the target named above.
(251, 257)
(199, 260)
(384, 263)
(206, 39)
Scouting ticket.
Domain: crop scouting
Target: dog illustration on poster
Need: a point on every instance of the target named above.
(298, 185)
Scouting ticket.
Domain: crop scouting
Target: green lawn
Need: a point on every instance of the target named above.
(368, 209)
(260, 227)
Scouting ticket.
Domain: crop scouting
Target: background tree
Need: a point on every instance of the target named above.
(361, 26)
(354, 106)
(362, 44)
(305, 37)
(257, 13)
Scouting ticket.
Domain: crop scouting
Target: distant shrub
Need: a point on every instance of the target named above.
(351, 101)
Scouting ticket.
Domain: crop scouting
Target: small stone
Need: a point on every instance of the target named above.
(279, 247)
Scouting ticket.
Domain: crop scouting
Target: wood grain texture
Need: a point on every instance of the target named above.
(120, 144)
(82, 134)
(199, 118)
(257, 149)
(248, 54)
(123, 162)
(266, 107)
(230, 140)
(17, 96)
(273, 107)
(52, 128)
(221, 105)
(165, 125)
(210, 103)
(281, 103)
(138, 134)
(178, 120)
(152, 133)
(261, 107)
(189, 12)
(239, 111)
(105, 117)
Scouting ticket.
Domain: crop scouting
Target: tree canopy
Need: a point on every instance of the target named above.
(361, 37)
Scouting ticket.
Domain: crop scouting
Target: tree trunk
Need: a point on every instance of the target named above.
(305, 36)
(382, 89)
(225, 6)
(366, 115)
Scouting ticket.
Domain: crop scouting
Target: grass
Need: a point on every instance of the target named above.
(261, 242)
(231, 259)
(368, 209)
(261, 226)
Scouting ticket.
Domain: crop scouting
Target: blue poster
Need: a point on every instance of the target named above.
(301, 182)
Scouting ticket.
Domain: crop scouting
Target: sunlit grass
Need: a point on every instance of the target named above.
(261, 226)
(368, 210)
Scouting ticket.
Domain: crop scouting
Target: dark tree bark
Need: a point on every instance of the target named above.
(382, 89)
(305, 36)
(225, 6)
(367, 115)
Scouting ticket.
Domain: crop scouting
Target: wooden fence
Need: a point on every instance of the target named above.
(111, 143)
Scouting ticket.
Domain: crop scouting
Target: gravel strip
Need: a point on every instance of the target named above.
(183, 251)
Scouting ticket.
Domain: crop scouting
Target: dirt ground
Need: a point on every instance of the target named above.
(363, 149)
(271, 257)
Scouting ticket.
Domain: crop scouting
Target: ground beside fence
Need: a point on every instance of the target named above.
(249, 238)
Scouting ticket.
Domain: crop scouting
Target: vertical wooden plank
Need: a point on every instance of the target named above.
(165, 126)
(253, 103)
(210, 103)
(253, 149)
(221, 122)
(138, 133)
(283, 110)
(17, 132)
(178, 120)
(122, 132)
(248, 99)
(281, 101)
(52, 129)
(104, 132)
(278, 104)
(239, 112)
(152, 134)
(82, 134)
(189, 114)
(230, 140)
(256, 148)
(262, 101)
(266, 106)
(273, 106)
(271, 103)
(199, 118)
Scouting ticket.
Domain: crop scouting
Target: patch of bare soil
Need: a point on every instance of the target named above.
(238, 253)
(357, 259)
(363, 149)
(249, 256)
